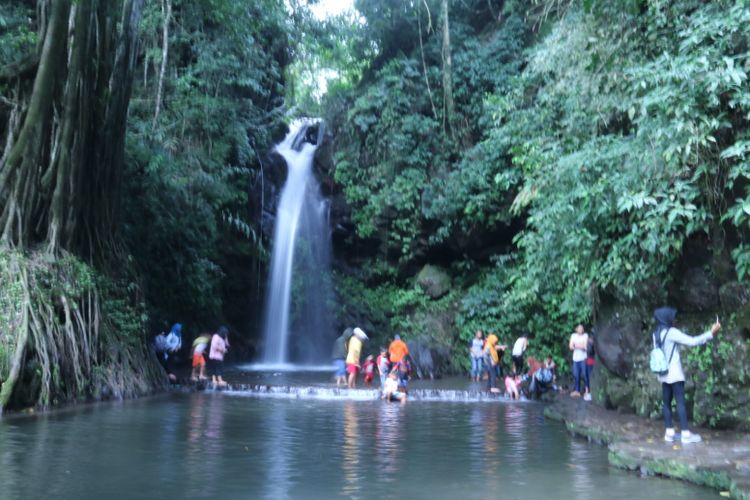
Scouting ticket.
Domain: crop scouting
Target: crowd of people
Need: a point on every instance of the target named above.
(486, 355)
(392, 364)
(168, 346)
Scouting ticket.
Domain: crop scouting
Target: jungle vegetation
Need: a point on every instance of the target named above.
(550, 156)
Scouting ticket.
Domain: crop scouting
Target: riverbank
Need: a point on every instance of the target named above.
(721, 461)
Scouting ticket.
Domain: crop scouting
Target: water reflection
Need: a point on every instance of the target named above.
(579, 457)
(278, 433)
(203, 444)
(350, 452)
(518, 436)
(389, 434)
(214, 445)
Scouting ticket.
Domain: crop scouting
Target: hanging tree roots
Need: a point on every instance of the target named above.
(68, 334)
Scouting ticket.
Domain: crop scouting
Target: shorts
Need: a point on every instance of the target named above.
(403, 381)
(351, 368)
(396, 396)
(340, 367)
(198, 360)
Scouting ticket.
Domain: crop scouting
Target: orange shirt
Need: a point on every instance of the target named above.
(398, 350)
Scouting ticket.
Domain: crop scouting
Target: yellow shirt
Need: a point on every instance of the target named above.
(355, 348)
(490, 347)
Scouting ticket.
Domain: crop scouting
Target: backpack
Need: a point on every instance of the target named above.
(590, 351)
(658, 361)
(160, 343)
(544, 375)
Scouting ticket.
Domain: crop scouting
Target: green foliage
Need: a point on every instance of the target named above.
(17, 35)
(619, 149)
(394, 157)
(187, 205)
(616, 138)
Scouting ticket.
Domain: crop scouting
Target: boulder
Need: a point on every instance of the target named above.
(434, 281)
(733, 296)
(617, 335)
(697, 290)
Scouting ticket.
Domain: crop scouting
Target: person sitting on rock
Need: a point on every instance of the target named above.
(673, 382)
(542, 376)
(391, 389)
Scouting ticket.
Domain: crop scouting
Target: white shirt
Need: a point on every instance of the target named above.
(673, 339)
(476, 347)
(519, 346)
(580, 342)
(390, 386)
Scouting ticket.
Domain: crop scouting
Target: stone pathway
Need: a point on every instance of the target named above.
(721, 461)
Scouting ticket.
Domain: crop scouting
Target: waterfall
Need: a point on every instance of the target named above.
(298, 290)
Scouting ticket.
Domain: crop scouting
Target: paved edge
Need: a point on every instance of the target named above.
(626, 453)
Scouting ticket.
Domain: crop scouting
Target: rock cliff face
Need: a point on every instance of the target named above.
(718, 379)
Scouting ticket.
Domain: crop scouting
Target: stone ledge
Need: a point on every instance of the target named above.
(721, 461)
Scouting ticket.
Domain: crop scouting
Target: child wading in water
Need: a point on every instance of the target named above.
(368, 368)
(199, 360)
(511, 387)
(384, 365)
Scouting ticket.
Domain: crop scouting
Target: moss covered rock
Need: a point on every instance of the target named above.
(434, 281)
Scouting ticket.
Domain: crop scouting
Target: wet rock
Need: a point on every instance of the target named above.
(618, 333)
(434, 281)
(733, 296)
(697, 290)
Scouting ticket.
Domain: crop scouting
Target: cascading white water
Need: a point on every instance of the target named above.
(301, 250)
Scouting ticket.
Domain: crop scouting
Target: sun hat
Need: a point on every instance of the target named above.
(360, 333)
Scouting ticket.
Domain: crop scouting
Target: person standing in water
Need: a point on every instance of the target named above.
(352, 358)
(519, 348)
(398, 349)
(174, 344)
(218, 349)
(491, 360)
(368, 368)
(579, 341)
(673, 382)
(475, 351)
(199, 360)
(384, 366)
(339, 355)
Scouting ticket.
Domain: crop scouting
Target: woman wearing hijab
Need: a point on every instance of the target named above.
(673, 382)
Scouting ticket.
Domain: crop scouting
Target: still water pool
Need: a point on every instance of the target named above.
(214, 445)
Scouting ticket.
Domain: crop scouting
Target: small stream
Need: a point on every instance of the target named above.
(230, 446)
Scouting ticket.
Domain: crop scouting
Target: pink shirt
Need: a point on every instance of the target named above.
(218, 348)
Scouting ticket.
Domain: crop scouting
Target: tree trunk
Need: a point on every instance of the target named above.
(448, 117)
(60, 176)
(421, 50)
(166, 8)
